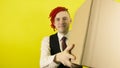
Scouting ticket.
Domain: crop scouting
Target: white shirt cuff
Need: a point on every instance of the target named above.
(54, 64)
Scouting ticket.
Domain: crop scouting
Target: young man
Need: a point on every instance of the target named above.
(54, 51)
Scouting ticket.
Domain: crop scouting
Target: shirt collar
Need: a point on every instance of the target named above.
(61, 35)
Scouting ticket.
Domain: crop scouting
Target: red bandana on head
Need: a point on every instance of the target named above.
(53, 14)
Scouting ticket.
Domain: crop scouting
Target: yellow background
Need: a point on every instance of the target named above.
(117, 1)
(23, 24)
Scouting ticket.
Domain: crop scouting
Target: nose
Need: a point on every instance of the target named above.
(62, 21)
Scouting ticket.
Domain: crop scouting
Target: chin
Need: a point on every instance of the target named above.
(62, 31)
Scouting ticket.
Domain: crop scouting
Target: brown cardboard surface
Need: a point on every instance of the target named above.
(102, 49)
(78, 32)
(100, 46)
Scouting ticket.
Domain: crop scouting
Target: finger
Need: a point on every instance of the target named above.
(68, 63)
(76, 66)
(69, 48)
(71, 56)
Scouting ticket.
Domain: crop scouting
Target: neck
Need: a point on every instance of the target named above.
(63, 33)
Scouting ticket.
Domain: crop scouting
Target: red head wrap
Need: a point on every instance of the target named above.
(53, 14)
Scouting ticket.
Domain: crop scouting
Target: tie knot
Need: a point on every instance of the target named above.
(64, 38)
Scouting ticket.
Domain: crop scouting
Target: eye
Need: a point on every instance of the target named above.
(57, 19)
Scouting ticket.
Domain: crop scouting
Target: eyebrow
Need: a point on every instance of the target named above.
(63, 17)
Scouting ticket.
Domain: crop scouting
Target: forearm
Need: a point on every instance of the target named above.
(48, 62)
(46, 59)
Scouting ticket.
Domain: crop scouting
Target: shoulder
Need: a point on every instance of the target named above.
(53, 36)
(45, 39)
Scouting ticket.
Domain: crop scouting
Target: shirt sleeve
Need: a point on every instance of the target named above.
(46, 59)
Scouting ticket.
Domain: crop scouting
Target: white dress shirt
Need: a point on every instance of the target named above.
(47, 60)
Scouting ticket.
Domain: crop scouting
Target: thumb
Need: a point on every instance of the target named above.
(69, 48)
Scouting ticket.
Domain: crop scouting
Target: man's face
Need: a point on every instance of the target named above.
(62, 21)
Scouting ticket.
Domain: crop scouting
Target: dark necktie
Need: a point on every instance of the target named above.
(64, 43)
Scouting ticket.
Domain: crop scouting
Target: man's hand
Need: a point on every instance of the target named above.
(64, 57)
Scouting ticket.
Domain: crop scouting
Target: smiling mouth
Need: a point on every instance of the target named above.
(63, 26)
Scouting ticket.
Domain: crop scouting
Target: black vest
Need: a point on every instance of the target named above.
(55, 47)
